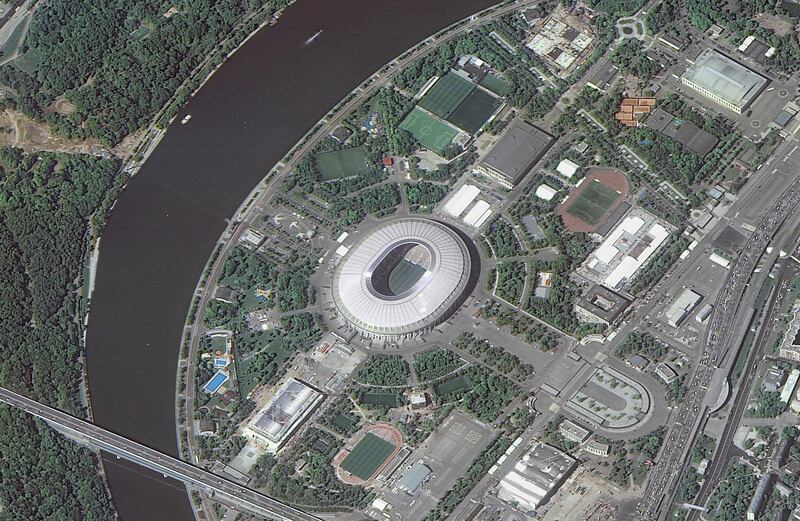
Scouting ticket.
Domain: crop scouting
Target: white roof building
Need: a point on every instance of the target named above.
(282, 414)
(401, 278)
(478, 214)
(568, 168)
(460, 200)
(535, 478)
(545, 192)
(788, 387)
(719, 259)
(625, 249)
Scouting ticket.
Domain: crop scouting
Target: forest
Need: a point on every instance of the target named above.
(135, 57)
(50, 204)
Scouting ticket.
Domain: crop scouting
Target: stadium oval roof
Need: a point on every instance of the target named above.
(402, 277)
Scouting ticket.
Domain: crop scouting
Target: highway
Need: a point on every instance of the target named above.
(223, 490)
(721, 337)
(722, 453)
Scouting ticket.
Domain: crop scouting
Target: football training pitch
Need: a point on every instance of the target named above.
(446, 94)
(432, 133)
(367, 456)
(474, 111)
(592, 202)
(342, 163)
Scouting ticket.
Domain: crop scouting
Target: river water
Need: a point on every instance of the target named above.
(167, 221)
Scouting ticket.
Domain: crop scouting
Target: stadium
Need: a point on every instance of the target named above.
(402, 278)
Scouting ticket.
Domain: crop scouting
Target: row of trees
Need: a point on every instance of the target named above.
(434, 363)
(495, 357)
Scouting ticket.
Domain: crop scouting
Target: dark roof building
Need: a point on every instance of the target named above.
(515, 153)
(601, 80)
(600, 304)
(684, 132)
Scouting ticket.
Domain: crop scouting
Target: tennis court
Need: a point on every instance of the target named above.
(342, 163)
(367, 456)
(446, 94)
(474, 111)
(592, 202)
(432, 133)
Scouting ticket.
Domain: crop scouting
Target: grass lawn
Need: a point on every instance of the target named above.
(252, 370)
(389, 400)
(367, 456)
(28, 62)
(592, 202)
(432, 133)
(451, 386)
(495, 84)
(342, 163)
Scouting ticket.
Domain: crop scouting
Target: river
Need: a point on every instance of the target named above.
(169, 218)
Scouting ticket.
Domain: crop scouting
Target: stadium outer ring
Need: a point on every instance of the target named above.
(443, 309)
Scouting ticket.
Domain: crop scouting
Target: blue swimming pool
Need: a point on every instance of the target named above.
(216, 382)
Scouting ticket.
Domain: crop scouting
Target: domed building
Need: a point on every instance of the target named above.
(402, 278)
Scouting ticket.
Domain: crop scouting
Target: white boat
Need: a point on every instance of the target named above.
(186, 119)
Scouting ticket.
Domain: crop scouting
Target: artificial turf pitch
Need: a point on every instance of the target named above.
(367, 456)
(342, 163)
(446, 94)
(590, 205)
(432, 133)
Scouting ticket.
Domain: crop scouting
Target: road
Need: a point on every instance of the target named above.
(223, 490)
(721, 337)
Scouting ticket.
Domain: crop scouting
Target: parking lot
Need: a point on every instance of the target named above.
(448, 452)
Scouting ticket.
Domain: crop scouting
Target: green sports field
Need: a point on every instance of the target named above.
(474, 111)
(432, 133)
(367, 456)
(495, 84)
(592, 202)
(446, 94)
(342, 163)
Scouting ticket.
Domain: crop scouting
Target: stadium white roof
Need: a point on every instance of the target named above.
(725, 78)
(361, 283)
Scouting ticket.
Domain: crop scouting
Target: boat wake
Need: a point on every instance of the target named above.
(313, 38)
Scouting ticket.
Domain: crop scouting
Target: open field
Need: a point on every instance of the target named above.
(432, 133)
(342, 163)
(474, 111)
(446, 94)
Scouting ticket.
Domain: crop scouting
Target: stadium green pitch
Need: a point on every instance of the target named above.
(342, 163)
(590, 205)
(367, 456)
